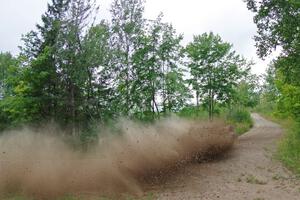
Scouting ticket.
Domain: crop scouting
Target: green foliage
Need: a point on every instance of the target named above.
(9, 74)
(270, 91)
(289, 101)
(289, 147)
(278, 23)
(193, 112)
(240, 119)
(127, 28)
(269, 94)
(240, 116)
(247, 92)
(215, 69)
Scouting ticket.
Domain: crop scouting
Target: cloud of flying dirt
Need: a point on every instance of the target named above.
(40, 164)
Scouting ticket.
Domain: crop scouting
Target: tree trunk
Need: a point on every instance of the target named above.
(72, 109)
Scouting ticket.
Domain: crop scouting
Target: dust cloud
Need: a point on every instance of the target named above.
(40, 164)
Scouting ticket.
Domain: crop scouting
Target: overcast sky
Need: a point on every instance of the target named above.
(230, 19)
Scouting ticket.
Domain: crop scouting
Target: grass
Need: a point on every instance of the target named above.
(193, 112)
(289, 146)
(241, 120)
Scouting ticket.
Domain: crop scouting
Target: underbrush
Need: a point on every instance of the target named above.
(241, 120)
(289, 147)
(193, 112)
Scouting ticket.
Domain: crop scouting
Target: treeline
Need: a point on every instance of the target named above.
(278, 24)
(76, 72)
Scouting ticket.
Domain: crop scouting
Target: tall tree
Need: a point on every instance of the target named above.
(96, 60)
(40, 49)
(278, 23)
(247, 92)
(70, 59)
(6, 62)
(270, 91)
(127, 25)
(215, 69)
(159, 84)
(147, 68)
(174, 92)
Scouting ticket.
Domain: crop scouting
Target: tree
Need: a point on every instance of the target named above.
(55, 71)
(278, 23)
(6, 62)
(16, 106)
(42, 77)
(247, 92)
(159, 75)
(146, 64)
(127, 25)
(215, 69)
(70, 59)
(96, 59)
(174, 92)
(8, 74)
(270, 90)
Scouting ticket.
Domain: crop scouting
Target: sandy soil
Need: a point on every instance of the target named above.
(248, 171)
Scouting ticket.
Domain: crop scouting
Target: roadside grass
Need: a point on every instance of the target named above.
(289, 146)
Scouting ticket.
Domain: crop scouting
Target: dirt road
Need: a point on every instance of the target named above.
(249, 171)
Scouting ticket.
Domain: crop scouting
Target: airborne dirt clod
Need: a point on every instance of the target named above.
(39, 164)
(247, 172)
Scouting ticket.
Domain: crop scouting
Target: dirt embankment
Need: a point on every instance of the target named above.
(40, 164)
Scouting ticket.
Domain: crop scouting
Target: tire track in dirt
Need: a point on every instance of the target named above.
(248, 171)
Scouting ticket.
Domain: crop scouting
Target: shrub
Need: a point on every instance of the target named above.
(193, 112)
(240, 119)
(289, 147)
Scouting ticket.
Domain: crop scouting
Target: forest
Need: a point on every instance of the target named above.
(77, 72)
